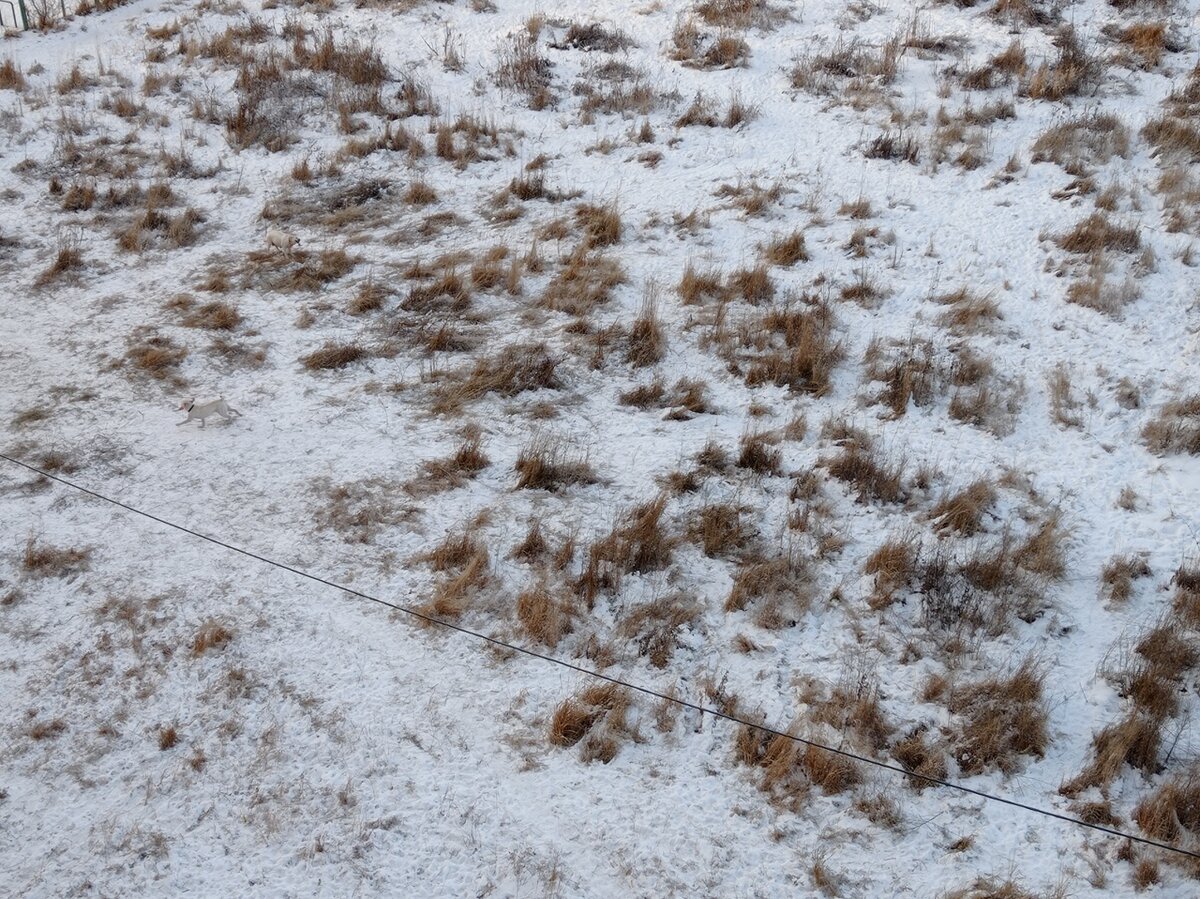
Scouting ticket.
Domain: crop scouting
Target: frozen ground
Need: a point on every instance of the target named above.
(323, 746)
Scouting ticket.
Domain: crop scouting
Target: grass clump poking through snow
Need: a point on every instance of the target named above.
(595, 718)
(1176, 429)
(647, 339)
(1000, 719)
(543, 616)
(11, 77)
(786, 249)
(545, 463)
(1097, 233)
(511, 371)
(43, 560)
(454, 470)
(333, 356)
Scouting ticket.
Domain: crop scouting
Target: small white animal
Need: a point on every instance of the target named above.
(201, 411)
(282, 241)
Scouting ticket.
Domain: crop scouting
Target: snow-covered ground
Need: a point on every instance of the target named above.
(322, 745)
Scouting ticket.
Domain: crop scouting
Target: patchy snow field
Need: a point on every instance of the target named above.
(833, 364)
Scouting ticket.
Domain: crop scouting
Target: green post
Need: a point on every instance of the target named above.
(24, 15)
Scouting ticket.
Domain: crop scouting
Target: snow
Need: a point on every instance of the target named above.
(349, 751)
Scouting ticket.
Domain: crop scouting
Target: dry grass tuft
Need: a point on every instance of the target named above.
(647, 339)
(637, 544)
(907, 371)
(872, 478)
(718, 529)
(168, 737)
(920, 757)
(334, 356)
(452, 471)
(1172, 813)
(792, 345)
(1134, 739)
(214, 317)
(990, 887)
(511, 371)
(601, 225)
(212, 635)
(68, 259)
(1176, 429)
(42, 560)
(157, 356)
(655, 626)
(583, 283)
(782, 589)
(1098, 233)
(11, 77)
(523, 69)
(894, 564)
(1119, 574)
(1002, 718)
(1089, 139)
(546, 464)
(696, 286)
(544, 617)
(452, 596)
(700, 49)
(757, 453)
(967, 312)
(1147, 41)
(595, 717)
(849, 72)
(1070, 74)
(963, 512)
(786, 249)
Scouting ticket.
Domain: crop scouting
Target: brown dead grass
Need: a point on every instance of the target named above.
(893, 563)
(757, 452)
(68, 259)
(156, 355)
(333, 356)
(1176, 428)
(595, 717)
(544, 617)
(212, 635)
(786, 249)
(718, 529)
(921, 756)
(1119, 573)
(781, 589)
(695, 286)
(586, 281)
(454, 470)
(647, 338)
(1001, 719)
(655, 626)
(1074, 71)
(638, 543)
(963, 512)
(511, 371)
(43, 560)
(11, 77)
(967, 312)
(873, 478)
(215, 316)
(547, 464)
(1098, 233)
(791, 345)
(1172, 812)
(699, 48)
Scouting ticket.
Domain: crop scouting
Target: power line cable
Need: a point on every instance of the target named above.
(532, 653)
